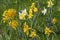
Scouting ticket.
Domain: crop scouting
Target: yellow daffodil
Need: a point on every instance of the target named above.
(50, 3)
(13, 24)
(35, 9)
(33, 34)
(30, 10)
(26, 28)
(10, 13)
(54, 20)
(47, 31)
(30, 15)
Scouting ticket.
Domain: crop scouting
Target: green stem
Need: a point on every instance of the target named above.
(55, 35)
(47, 37)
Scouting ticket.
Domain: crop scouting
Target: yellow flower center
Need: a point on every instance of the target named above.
(22, 16)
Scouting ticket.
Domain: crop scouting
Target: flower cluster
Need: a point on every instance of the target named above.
(31, 10)
(27, 29)
(9, 15)
(54, 20)
(24, 13)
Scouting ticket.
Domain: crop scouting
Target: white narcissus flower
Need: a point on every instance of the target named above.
(22, 14)
(44, 11)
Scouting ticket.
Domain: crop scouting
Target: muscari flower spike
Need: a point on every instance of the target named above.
(34, 38)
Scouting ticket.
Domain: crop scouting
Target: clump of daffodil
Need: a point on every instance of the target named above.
(26, 28)
(10, 13)
(54, 20)
(47, 31)
(22, 14)
(50, 3)
(13, 24)
(33, 34)
(31, 10)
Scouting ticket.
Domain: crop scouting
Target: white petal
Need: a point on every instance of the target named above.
(24, 11)
(44, 11)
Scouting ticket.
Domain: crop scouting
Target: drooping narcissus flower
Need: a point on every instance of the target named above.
(35, 9)
(33, 34)
(54, 20)
(26, 28)
(22, 14)
(13, 24)
(47, 31)
(30, 15)
(50, 3)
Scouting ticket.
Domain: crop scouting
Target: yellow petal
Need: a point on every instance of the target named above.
(35, 9)
(47, 31)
